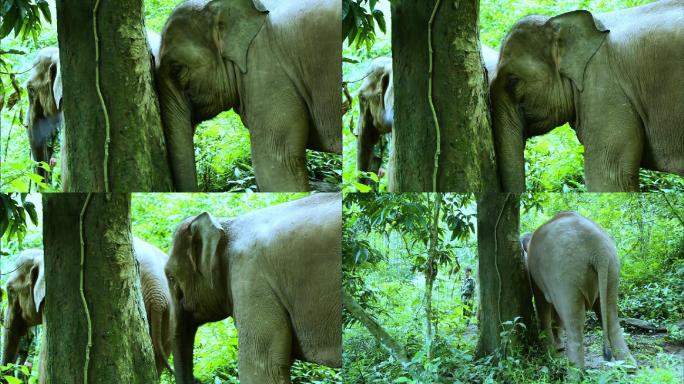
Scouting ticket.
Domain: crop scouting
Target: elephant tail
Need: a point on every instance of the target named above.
(157, 335)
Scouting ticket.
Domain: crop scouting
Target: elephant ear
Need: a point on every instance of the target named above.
(38, 283)
(56, 79)
(236, 24)
(576, 36)
(207, 242)
(525, 241)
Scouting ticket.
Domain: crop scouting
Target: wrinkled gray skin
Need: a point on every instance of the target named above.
(26, 291)
(278, 67)
(615, 77)
(573, 266)
(376, 110)
(44, 115)
(276, 271)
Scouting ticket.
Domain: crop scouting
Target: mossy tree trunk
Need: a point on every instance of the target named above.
(134, 159)
(504, 285)
(121, 350)
(466, 161)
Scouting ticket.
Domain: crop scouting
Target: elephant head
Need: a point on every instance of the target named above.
(196, 273)
(43, 117)
(376, 112)
(25, 294)
(540, 72)
(204, 47)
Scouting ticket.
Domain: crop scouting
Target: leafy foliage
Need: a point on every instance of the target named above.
(14, 210)
(359, 18)
(23, 17)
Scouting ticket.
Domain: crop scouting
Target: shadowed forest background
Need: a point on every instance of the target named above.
(222, 145)
(411, 288)
(554, 161)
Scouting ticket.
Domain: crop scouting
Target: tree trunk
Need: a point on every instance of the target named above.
(505, 291)
(459, 94)
(115, 322)
(430, 275)
(385, 339)
(118, 146)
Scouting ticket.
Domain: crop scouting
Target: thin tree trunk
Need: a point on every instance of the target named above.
(446, 33)
(385, 339)
(430, 275)
(115, 143)
(95, 319)
(505, 291)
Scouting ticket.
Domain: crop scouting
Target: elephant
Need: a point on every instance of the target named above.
(277, 65)
(376, 112)
(573, 266)
(615, 77)
(44, 118)
(26, 292)
(276, 271)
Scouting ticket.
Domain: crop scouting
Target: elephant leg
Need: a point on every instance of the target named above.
(572, 314)
(619, 348)
(613, 150)
(607, 353)
(279, 154)
(265, 344)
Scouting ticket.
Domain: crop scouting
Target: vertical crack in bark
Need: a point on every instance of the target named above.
(438, 138)
(82, 292)
(101, 98)
(496, 259)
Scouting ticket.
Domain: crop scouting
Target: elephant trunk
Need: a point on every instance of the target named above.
(509, 139)
(368, 138)
(43, 133)
(179, 131)
(184, 340)
(14, 328)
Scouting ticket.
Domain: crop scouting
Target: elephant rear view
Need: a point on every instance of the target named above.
(276, 271)
(279, 67)
(573, 265)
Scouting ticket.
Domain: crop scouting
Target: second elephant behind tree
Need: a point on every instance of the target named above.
(26, 291)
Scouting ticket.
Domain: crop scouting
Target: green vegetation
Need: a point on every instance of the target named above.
(222, 146)
(385, 254)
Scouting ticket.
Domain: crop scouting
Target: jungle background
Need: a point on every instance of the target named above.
(222, 145)
(554, 162)
(154, 218)
(406, 272)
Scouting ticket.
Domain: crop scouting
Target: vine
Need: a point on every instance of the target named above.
(438, 137)
(81, 284)
(101, 98)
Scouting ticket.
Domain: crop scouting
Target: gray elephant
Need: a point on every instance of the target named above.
(616, 78)
(376, 113)
(279, 67)
(573, 266)
(276, 271)
(44, 115)
(26, 292)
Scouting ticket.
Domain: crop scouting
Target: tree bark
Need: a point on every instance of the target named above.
(119, 147)
(466, 160)
(385, 339)
(121, 349)
(505, 291)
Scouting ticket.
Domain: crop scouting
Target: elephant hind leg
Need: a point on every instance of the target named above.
(607, 353)
(161, 357)
(611, 324)
(572, 315)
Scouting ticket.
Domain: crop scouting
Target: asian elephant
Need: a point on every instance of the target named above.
(44, 115)
(573, 266)
(26, 291)
(276, 271)
(278, 65)
(376, 112)
(617, 78)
